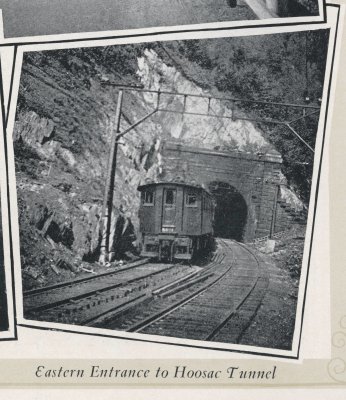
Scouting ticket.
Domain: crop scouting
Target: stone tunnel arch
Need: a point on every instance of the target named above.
(252, 177)
(231, 211)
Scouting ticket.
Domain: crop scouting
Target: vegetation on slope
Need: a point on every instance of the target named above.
(274, 68)
(65, 117)
(278, 68)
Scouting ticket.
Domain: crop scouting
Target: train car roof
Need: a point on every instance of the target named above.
(190, 185)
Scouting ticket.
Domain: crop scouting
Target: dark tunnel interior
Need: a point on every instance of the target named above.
(230, 213)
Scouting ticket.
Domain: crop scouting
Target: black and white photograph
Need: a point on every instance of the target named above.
(166, 189)
(27, 18)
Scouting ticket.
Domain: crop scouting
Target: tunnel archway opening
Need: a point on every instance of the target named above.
(230, 211)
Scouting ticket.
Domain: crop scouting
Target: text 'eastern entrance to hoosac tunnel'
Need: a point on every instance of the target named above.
(230, 211)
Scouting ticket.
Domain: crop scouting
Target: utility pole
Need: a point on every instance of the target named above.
(117, 135)
(109, 189)
(112, 162)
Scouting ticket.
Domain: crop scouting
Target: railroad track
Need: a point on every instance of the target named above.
(232, 328)
(53, 295)
(84, 300)
(214, 303)
(123, 316)
(220, 308)
(165, 299)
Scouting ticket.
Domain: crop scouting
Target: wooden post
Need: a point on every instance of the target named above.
(109, 189)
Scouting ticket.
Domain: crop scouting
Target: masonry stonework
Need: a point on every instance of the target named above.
(254, 177)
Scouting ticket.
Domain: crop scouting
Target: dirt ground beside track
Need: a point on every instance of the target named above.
(273, 325)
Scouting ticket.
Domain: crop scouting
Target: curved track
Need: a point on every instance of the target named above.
(213, 303)
(220, 308)
(224, 309)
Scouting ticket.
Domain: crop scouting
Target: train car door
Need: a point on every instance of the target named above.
(169, 210)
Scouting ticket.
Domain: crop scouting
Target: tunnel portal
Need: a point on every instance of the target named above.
(244, 185)
(230, 213)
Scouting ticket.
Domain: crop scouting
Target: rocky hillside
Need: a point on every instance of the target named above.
(65, 119)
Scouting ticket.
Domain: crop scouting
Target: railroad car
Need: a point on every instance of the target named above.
(176, 220)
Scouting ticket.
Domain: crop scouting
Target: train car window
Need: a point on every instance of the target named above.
(191, 200)
(170, 196)
(147, 198)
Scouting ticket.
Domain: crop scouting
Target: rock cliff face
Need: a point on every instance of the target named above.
(201, 131)
(64, 123)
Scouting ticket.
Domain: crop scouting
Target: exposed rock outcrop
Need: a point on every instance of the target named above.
(65, 120)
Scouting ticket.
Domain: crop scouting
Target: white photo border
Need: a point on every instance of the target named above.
(11, 332)
(332, 24)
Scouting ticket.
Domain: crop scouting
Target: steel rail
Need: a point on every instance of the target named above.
(243, 300)
(47, 289)
(163, 313)
(48, 306)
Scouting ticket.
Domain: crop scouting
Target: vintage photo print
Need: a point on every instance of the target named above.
(7, 329)
(165, 189)
(28, 18)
